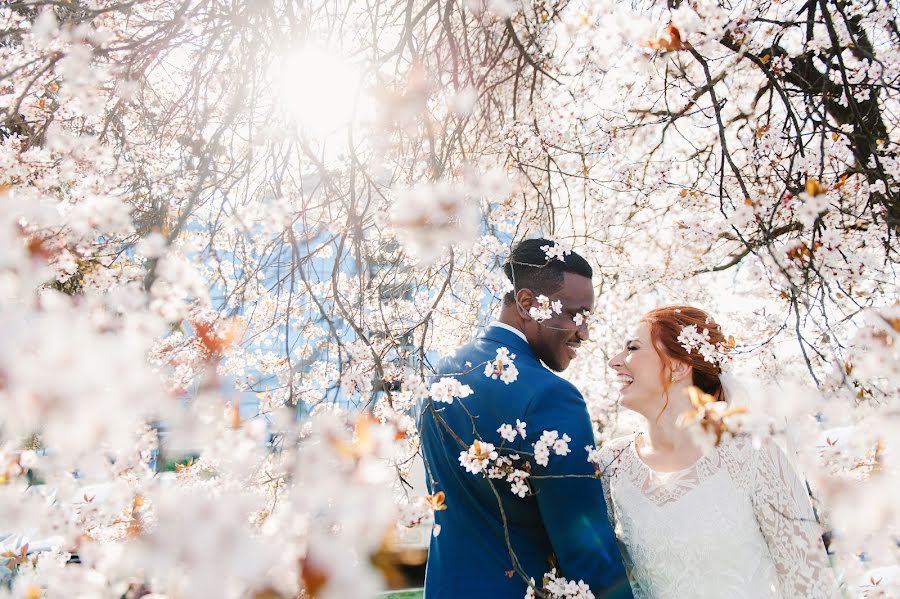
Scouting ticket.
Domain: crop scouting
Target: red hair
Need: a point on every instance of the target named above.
(665, 325)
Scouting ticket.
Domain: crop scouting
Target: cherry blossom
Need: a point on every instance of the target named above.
(550, 441)
(477, 458)
(189, 267)
(502, 367)
(449, 388)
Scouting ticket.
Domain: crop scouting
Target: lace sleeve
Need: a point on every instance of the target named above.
(786, 519)
(611, 459)
(607, 495)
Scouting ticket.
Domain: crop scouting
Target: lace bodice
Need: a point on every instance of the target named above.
(738, 523)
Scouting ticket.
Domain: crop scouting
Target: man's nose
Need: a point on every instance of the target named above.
(584, 332)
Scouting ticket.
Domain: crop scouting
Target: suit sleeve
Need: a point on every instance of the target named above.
(571, 498)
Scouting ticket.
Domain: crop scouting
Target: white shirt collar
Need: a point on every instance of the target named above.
(497, 323)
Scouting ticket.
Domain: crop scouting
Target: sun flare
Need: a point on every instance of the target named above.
(316, 87)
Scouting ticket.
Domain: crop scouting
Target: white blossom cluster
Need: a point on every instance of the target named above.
(502, 367)
(581, 317)
(478, 456)
(187, 268)
(550, 441)
(555, 251)
(557, 587)
(509, 431)
(507, 467)
(545, 309)
(594, 455)
(692, 339)
(448, 388)
(518, 484)
(431, 217)
(485, 457)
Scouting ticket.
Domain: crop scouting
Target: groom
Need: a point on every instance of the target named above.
(491, 541)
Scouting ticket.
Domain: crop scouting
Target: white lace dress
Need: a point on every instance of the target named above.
(736, 524)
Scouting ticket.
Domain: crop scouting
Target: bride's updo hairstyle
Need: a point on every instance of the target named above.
(666, 325)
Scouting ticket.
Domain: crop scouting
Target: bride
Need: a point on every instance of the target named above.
(733, 521)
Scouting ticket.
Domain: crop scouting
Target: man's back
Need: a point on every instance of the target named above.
(491, 541)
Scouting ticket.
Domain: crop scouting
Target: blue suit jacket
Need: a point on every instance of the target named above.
(564, 522)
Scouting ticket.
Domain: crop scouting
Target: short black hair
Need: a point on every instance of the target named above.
(529, 268)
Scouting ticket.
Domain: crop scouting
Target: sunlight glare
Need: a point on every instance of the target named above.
(317, 87)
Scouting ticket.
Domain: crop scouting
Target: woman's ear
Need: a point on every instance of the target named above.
(681, 371)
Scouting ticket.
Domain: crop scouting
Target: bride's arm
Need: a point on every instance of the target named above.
(787, 521)
(607, 495)
(611, 459)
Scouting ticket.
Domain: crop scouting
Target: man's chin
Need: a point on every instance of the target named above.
(559, 366)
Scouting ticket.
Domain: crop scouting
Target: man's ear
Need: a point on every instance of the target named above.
(524, 302)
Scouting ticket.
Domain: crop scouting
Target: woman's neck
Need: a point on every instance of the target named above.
(663, 432)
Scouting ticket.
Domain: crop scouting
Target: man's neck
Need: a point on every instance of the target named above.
(510, 317)
(510, 328)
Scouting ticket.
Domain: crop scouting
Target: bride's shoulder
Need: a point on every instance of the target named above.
(740, 447)
(614, 447)
(614, 454)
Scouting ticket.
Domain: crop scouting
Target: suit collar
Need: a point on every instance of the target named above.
(507, 338)
(512, 330)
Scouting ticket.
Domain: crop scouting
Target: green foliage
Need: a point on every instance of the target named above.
(416, 594)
